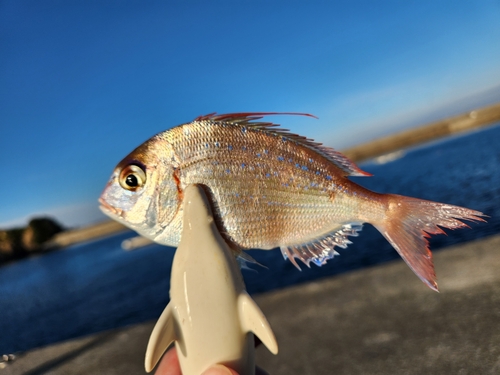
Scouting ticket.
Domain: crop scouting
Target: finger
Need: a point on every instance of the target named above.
(169, 365)
(220, 370)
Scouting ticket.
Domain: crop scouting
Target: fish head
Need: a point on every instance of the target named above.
(143, 191)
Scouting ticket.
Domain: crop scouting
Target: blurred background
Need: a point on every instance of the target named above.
(83, 83)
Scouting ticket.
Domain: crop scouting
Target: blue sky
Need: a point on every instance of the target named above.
(82, 83)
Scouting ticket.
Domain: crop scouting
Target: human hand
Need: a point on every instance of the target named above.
(169, 365)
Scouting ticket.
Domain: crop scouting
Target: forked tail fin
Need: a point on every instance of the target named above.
(410, 221)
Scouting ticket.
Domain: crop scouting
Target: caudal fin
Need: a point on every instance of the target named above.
(410, 221)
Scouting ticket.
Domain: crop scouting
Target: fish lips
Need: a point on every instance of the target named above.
(107, 209)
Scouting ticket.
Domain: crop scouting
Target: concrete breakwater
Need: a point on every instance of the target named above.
(454, 125)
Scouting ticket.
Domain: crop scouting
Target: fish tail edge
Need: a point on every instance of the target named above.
(409, 222)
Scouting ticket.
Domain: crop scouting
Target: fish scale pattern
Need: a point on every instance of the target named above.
(269, 189)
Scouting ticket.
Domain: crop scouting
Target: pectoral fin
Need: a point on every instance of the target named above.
(253, 320)
(162, 336)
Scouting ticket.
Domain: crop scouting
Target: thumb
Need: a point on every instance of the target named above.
(220, 370)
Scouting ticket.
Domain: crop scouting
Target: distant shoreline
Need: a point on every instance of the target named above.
(470, 120)
(95, 231)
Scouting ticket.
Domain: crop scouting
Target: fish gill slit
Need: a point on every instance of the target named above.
(177, 179)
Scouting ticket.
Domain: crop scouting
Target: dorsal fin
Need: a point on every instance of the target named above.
(249, 119)
(246, 116)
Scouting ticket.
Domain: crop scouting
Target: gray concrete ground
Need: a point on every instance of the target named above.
(380, 320)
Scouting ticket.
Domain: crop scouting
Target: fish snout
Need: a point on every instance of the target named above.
(106, 207)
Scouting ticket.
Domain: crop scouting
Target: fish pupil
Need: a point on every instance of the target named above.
(131, 181)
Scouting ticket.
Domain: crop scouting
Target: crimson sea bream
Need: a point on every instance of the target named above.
(268, 188)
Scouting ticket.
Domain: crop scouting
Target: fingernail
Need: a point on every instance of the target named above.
(218, 370)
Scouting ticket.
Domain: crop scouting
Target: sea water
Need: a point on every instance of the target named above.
(96, 286)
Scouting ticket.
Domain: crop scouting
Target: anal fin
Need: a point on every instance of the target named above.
(321, 250)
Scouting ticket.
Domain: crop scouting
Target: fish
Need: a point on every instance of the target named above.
(269, 188)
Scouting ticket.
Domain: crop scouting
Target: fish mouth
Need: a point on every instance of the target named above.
(108, 209)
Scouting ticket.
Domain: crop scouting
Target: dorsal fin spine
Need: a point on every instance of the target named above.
(247, 118)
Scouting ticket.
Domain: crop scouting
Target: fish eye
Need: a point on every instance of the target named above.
(132, 177)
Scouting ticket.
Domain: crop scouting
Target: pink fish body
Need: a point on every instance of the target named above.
(269, 188)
